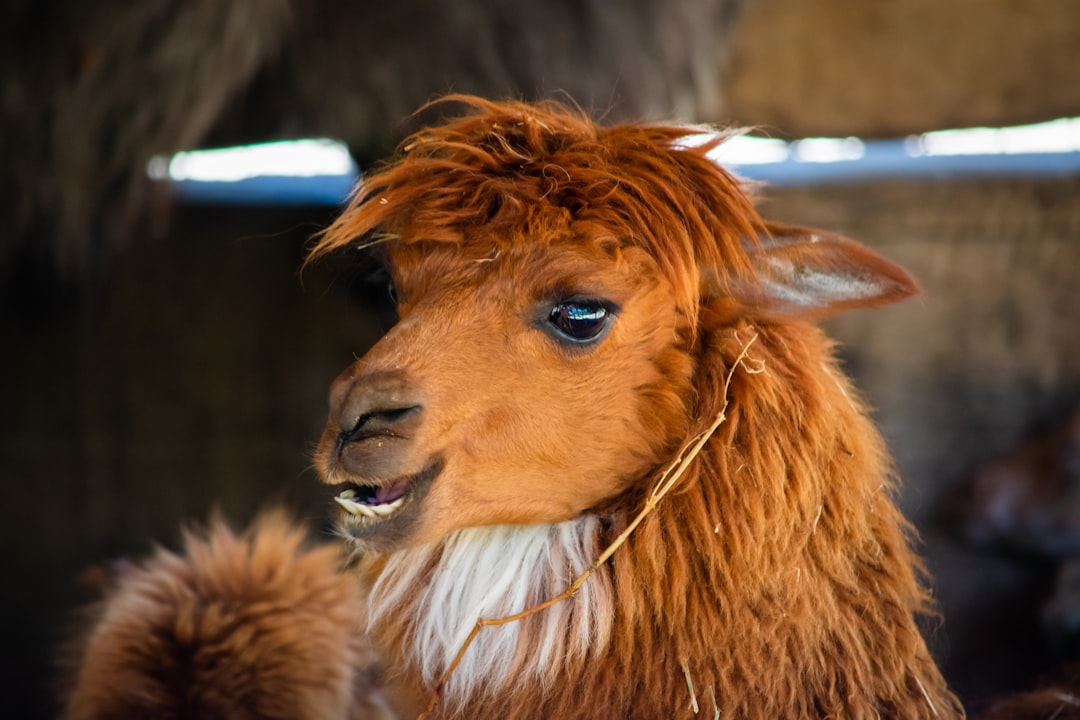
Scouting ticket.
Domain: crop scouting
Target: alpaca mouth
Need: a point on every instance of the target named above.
(388, 508)
(374, 502)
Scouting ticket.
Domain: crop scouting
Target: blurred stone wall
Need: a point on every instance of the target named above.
(881, 69)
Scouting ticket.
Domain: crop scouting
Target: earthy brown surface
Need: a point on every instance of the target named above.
(891, 68)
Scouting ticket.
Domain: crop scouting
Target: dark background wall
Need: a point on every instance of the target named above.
(159, 361)
(194, 380)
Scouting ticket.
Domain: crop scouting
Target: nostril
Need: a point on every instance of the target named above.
(385, 422)
(392, 415)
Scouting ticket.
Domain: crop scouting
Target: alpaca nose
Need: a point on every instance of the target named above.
(382, 403)
(376, 415)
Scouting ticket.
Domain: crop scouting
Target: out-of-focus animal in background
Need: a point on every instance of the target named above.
(1028, 503)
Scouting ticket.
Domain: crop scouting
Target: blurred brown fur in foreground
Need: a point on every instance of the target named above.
(257, 625)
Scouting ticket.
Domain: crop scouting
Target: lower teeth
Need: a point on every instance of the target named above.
(345, 500)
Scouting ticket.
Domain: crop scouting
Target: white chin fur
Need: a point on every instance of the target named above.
(493, 572)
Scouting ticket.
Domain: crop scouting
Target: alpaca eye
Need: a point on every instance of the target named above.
(580, 321)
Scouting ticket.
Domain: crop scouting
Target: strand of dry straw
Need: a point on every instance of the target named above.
(667, 480)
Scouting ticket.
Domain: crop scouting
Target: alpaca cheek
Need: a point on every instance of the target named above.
(531, 461)
(465, 499)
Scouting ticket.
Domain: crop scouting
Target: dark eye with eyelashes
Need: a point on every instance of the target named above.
(580, 321)
(374, 290)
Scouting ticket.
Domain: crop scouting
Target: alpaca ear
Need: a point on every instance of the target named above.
(806, 272)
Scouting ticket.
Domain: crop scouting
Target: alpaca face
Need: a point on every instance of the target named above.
(550, 274)
(526, 382)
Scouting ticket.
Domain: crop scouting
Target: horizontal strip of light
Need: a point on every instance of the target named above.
(321, 171)
(288, 158)
(1056, 136)
(1062, 135)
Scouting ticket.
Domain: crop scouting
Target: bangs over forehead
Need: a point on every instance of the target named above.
(519, 172)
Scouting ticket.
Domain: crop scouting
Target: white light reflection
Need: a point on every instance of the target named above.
(291, 158)
(826, 150)
(750, 150)
(1056, 136)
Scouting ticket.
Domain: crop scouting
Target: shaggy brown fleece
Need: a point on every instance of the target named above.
(251, 626)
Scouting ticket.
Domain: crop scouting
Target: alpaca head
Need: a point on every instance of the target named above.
(555, 280)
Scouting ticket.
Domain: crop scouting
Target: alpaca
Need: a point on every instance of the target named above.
(571, 298)
(575, 301)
